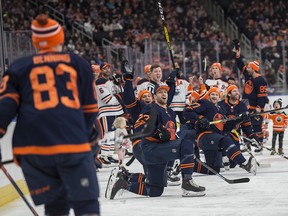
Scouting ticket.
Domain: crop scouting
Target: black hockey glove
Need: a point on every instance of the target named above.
(127, 71)
(202, 124)
(245, 116)
(236, 44)
(174, 73)
(162, 133)
(117, 79)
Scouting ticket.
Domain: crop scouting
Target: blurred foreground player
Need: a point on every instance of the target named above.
(52, 93)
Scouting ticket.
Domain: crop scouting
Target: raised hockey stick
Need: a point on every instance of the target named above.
(230, 181)
(267, 148)
(18, 189)
(166, 32)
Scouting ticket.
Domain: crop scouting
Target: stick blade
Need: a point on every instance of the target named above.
(237, 181)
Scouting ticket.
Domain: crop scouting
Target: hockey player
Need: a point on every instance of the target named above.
(135, 106)
(232, 107)
(52, 93)
(109, 108)
(96, 71)
(142, 84)
(180, 98)
(280, 123)
(210, 137)
(155, 77)
(159, 148)
(254, 91)
(217, 78)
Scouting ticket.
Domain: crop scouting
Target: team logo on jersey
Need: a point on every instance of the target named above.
(114, 89)
(248, 88)
(177, 90)
(279, 119)
(219, 126)
(170, 126)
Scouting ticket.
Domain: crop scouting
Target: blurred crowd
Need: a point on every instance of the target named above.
(265, 23)
(130, 22)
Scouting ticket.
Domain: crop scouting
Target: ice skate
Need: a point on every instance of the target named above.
(111, 181)
(123, 173)
(226, 163)
(112, 160)
(259, 150)
(190, 189)
(121, 183)
(172, 180)
(105, 162)
(250, 166)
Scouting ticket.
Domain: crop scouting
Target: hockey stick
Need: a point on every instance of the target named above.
(268, 111)
(7, 162)
(241, 140)
(230, 181)
(269, 149)
(130, 161)
(251, 115)
(18, 189)
(166, 32)
(205, 66)
(225, 120)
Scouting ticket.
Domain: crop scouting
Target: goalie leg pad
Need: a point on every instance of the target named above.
(111, 181)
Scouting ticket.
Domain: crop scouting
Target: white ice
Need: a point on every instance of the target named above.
(266, 194)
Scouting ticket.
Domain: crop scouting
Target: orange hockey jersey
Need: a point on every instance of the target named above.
(280, 121)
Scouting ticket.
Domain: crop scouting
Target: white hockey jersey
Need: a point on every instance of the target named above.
(108, 104)
(180, 98)
(222, 86)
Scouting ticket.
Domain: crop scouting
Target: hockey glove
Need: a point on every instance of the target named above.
(174, 73)
(202, 124)
(162, 133)
(128, 72)
(236, 44)
(117, 79)
(245, 116)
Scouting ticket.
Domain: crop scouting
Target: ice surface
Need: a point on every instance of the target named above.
(266, 194)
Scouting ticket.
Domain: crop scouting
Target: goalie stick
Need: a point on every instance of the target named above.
(230, 181)
(18, 189)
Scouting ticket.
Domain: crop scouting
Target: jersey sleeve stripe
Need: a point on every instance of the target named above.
(13, 96)
(131, 105)
(51, 150)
